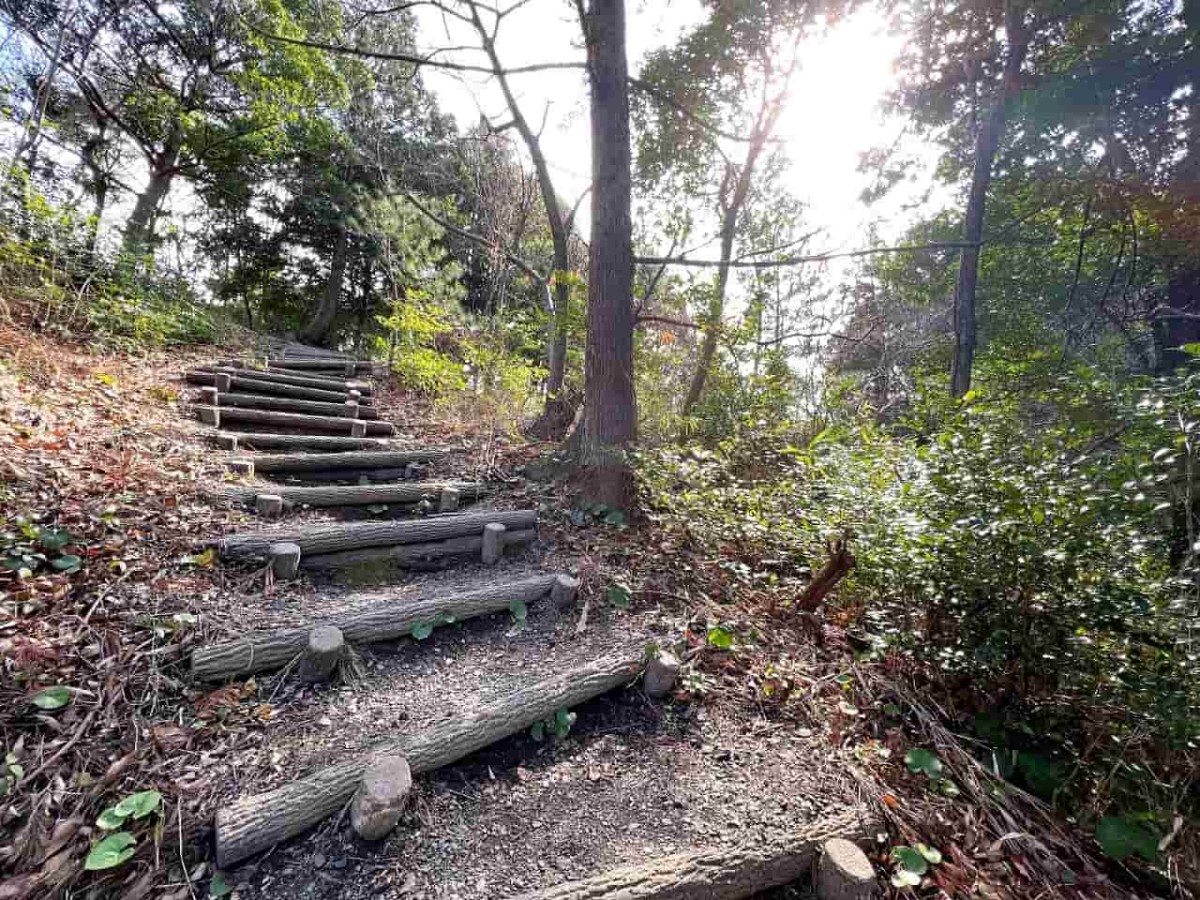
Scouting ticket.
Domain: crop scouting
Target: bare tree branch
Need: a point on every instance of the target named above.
(745, 263)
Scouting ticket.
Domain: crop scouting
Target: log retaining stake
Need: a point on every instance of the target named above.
(448, 502)
(358, 428)
(268, 505)
(493, 543)
(208, 395)
(209, 415)
(243, 465)
(224, 382)
(562, 594)
(844, 872)
(324, 651)
(285, 560)
(351, 407)
(380, 798)
(227, 442)
(661, 672)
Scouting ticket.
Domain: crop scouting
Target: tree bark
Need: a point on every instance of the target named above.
(415, 556)
(317, 330)
(727, 873)
(255, 823)
(610, 411)
(353, 535)
(384, 621)
(139, 229)
(987, 143)
(300, 420)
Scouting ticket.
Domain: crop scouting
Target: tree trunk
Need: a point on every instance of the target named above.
(352, 535)
(384, 621)
(140, 228)
(610, 410)
(987, 143)
(727, 873)
(255, 823)
(317, 330)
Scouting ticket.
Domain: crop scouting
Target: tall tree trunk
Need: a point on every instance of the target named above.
(610, 412)
(986, 145)
(317, 330)
(140, 227)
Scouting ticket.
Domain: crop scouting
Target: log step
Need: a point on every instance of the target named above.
(324, 444)
(720, 873)
(314, 539)
(351, 494)
(313, 381)
(322, 365)
(247, 385)
(252, 824)
(289, 404)
(345, 476)
(306, 462)
(414, 556)
(294, 420)
(386, 620)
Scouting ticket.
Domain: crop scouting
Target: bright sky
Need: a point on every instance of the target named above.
(833, 115)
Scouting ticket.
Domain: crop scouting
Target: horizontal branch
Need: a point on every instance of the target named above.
(796, 260)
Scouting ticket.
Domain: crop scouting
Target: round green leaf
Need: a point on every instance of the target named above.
(422, 630)
(932, 854)
(52, 698)
(110, 852)
(910, 859)
(518, 610)
(67, 563)
(139, 805)
(919, 760)
(111, 819)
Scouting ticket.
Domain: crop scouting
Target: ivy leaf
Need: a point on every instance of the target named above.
(52, 698)
(219, 887)
(67, 563)
(422, 630)
(721, 638)
(614, 517)
(54, 538)
(619, 596)
(518, 610)
(1121, 836)
(932, 854)
(910, 860)
(139, 805)
(110, 819)
(920, 760)
(110, 852)
(538, 731)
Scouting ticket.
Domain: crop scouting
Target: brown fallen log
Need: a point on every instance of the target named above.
(410, 556)
(314, 381)
(349, 494)
(256, 823)
(727, 873)
(342, 476)
(259, 386)
(298, 420)
(384, 621)
(306, 462)
(355, 535)
(289, 404)
(326, 443)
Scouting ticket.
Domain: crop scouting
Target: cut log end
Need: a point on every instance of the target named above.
(448, 502)
(326, 645)
(493, 543)
(269, 506)
(661, 673)
(243, 466)
(224, 382)
(209, 396)
(227, 442)
(285, 560)
(563, 593)
(381, 797)
(209, 415)
(844, 872)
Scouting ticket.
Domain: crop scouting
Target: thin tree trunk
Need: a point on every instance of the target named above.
(317, 330)
(140, 227)
(986, 145)
(610, 412)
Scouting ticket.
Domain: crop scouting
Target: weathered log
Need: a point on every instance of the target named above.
(289, 404)
(726, 873)
(323, 650)
(449, 499)
(353, 535)
(269, 506)
(320, 365)
(325, 443)
(313, 381)
(247, 385)
(296, 420)
(258, 822)
(407, 556)
(348, 494)
(342, 476)
(307, 462)
(383, 621)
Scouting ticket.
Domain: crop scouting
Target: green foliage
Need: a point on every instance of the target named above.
(13, 772)
(558, 727)
(110, 852)
(52, 698)
(28, 547)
